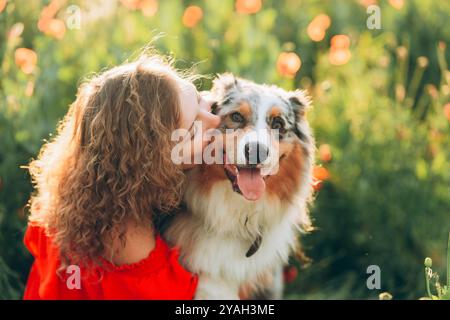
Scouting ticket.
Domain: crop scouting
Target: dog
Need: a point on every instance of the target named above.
(243, 217)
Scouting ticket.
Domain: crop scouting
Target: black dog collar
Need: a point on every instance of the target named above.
(254, 247)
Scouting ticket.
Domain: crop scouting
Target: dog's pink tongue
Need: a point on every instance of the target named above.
(251, 183)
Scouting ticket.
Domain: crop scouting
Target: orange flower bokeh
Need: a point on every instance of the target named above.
(2, 5)
(149, 7)
(339, 56)
(367, 3)
(131, 4)
(447, 110)
(317, 185)
(318, 26)
(339, 52)
(340, 41)
(288, 64)
(26, 59)
(397, 4)
(290, 273)
(248, 6)
(50, 25)
(47, 14)
(56, 28)
(315, 33)
(192, 15)
(322, 20)
(320, 174)
(325, 153)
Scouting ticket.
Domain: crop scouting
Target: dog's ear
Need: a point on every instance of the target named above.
(223, 87)
(224, 83)
(300, 102)
(215, 108)
(210, 97)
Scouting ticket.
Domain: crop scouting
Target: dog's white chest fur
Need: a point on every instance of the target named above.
(219, 229)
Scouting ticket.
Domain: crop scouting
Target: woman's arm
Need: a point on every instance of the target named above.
(139, 242)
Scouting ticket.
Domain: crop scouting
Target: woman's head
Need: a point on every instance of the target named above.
(196, 110)
(110, 162)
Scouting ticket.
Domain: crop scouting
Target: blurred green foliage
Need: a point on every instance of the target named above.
(382, 114)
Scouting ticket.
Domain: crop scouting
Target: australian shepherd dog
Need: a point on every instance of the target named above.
(243, 216)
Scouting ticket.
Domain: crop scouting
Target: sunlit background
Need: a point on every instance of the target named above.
(381, 115)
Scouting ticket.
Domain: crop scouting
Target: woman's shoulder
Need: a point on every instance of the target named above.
(158, 276)
(37, 241)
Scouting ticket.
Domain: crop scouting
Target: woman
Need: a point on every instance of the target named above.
(100, 181)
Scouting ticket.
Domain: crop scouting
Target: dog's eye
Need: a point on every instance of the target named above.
(237, 117)
(277, 123)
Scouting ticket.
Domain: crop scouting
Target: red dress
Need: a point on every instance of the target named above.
(159, 276)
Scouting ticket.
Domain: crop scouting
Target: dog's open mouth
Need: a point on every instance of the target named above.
(246, 180)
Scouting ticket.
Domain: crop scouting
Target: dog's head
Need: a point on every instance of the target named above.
(272, 143)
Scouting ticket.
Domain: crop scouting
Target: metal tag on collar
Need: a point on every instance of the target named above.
(254, 247)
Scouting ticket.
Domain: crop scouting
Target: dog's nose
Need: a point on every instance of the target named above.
(255, 153)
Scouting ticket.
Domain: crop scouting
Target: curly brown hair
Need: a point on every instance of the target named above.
(109, 162)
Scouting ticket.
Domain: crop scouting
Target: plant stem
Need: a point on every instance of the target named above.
(448, 262)
(414, 85)
(427, 283)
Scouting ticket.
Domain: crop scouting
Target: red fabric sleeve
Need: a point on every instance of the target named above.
(159, 276)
